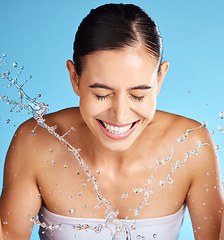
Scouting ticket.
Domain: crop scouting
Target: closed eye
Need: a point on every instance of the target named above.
(135, 98)
(101, 98)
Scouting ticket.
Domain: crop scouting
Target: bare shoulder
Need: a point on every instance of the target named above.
(31, 138)
(65, 117)
(63, 120)
(178, 126)
(190, 137)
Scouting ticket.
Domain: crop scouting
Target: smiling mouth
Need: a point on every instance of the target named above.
(114, 129)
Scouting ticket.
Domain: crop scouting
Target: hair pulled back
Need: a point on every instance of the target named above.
(116, 26)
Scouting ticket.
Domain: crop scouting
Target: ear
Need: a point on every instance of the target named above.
(73, 76)
(161, 75)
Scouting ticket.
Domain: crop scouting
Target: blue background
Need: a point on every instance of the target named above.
(39, 35)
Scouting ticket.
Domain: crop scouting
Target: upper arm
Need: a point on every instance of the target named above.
(19, 200)
(205, 197)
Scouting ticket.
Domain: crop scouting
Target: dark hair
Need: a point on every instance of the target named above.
(115, 26)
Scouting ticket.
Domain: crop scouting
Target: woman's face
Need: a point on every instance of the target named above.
(118, 91)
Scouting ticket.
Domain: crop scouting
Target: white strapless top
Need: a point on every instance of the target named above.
(69, 228)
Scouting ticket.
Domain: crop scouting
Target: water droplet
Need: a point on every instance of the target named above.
(196, 152)
(65, 166)
(137, 190)
(221, 114)
(136, 212)
(205, 218)
(5, 222)
(30, 77)
(50, 150)
(54, 161)
(204, 124)
(124, 195)
(4, 55)
(33, 132)
(7, 121)
(213, 131)
(15, 64)
(160, 161)
(78, 173)
(39, 195)
(51, 227)
(217, 147)
(77, 227)
(118, 229)
(154, 235)
(79, 193)
(189, 91)
(58, 226)
(133, 227)
(162, 182)
(207, 173)
(97, 171)
(5, 62)
(203, 204)
(0, 58)
(71, 211)
(220, 129)
(38, 95)
(138, 237)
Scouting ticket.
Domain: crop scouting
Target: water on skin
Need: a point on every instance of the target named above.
(39, 109)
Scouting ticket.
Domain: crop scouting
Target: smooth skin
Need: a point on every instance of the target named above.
(119, 88)
(221, 237)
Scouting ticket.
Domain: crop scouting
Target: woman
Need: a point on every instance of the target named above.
(144, 165)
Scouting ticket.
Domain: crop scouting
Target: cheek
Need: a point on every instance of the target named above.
(147, 108)
(91, 107)
(87, 108)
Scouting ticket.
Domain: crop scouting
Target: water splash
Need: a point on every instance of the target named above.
(184, 136)
(39, 109)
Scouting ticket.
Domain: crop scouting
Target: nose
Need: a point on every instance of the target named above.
(120, 109)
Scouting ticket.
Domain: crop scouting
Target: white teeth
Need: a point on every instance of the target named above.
(117, 130)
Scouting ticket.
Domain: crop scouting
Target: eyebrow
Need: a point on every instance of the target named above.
(98, 85)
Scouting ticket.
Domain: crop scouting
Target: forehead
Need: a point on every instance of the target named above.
(133, 65)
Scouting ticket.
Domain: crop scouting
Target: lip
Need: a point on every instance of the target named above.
(118, 136)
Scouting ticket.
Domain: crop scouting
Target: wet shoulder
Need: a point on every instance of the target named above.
(187, 134)
(31, 137)
(64, 119)
(61, 120)
(178, 125)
